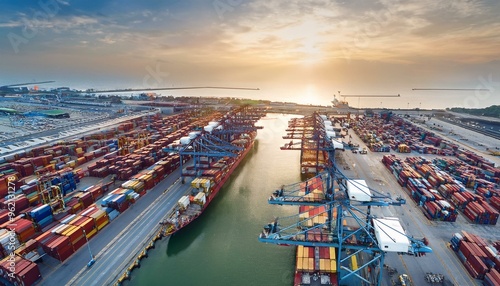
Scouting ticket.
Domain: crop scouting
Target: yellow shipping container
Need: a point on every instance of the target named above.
(72, 222)
(66, 230)
(309, 223)
(92, 233)
(63, 229)
(354, 262)
(311, 264)
(33, 199)
(305, 263)
(305, 252)
(300, 251)
(328, 267)
(315, 220)
(78, 231)
(304, 215)
(195, 183)
(99, 227)
(333, 266)
(332, 253)
(300, 265)
(77, 206)
(322, 264)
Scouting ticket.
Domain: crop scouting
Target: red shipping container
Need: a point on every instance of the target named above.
(473, 273)
(75, 234)
(79, 243)
(477, 250)
(29, 246)
(123, 207)
(21, 265)
(466, 249)
(87, 200)
(89, 211)
(311, 251)
(6, 264)
(87, 224)
(478, 265)
(63, 254)
(29, 275)
(492, 278)
(44, 237)
(4, 216)
(60, 243)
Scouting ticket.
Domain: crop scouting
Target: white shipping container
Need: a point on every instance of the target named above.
(185, 140)
(184, 201)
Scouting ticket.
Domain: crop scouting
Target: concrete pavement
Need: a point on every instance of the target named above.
(118, 244)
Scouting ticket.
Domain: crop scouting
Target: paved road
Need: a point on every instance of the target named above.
(119, 242)
(443, 260)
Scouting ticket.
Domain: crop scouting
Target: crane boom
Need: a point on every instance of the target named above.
(453, 89)
(171, 88)
(28, 83)
(372, 95)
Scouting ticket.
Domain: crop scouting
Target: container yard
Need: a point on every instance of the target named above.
(456, 180)
(49, 210)
(59, 197)
(447, 182)
(478, 256)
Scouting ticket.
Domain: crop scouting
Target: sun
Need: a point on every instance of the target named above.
(310, 94)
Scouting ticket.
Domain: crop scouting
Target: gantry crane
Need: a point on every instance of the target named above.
(216, 140)
(335, 212)
(315, 140)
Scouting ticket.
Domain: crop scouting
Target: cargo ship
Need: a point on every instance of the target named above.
(315, 265)
(205, 188)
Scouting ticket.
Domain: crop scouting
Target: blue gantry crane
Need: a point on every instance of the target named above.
(216, 140)
(335, 213)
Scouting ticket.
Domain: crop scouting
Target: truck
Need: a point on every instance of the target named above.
(402, 280)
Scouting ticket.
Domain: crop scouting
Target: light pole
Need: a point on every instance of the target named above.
(92, 261)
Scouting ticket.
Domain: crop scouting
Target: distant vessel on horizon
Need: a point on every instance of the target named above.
(339, 104)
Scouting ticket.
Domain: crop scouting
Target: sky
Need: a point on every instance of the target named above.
(295, 50)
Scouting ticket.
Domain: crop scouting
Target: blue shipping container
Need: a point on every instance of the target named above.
(112, 215)
(46, 221)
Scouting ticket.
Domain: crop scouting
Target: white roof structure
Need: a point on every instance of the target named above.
(391, 235)
(357, 190)
(337, 144)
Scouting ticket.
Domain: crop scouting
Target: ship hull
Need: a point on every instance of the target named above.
(217, 187)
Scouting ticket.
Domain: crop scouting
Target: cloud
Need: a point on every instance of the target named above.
(65, 3)
(282, 42)
(11, 24)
